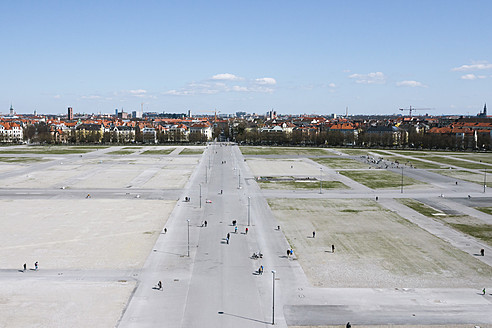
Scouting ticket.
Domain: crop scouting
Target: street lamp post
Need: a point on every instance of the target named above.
(200, 195)
(484, 179)
(320, 179)
(402, 180)
(249, 211)
(273, 299)
(188, 237)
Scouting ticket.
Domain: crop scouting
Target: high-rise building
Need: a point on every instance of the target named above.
(70, 113)
(11, 110)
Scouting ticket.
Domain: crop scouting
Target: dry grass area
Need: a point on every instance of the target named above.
(70, 234)
(373, 247)
(106, 172)
(39, 303)
(282, 167)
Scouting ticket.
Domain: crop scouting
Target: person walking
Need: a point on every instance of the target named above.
(228, 235)
(314, 234)
(25, 266)
(246, 231)
(482, 252)
(348, 325)
(333, 248)
(159, 285)
(227, 240)
(235, 229)
(483, 291)
(36, 265)
(165, 230)
(288, 252)
(206, 223)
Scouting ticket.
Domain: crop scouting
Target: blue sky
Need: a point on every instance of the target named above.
(293, 56)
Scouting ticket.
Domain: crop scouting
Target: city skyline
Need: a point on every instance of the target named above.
(313, 58)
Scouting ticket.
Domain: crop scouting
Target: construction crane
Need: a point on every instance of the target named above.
(411, 109)
(215, 111)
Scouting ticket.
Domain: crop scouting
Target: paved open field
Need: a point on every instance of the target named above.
(100, 257)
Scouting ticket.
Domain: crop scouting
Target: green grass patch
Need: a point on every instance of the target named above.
(166, 151)
(378, 179)
(480, 231)
(90, 147)
(48, 151)
(419, 207)
(340, 163)
(21, 159)
(120, 152)
(290, 185)
(354, 152)
(132, 148)
(457, 162)
(283, 151)
(462, 175)
(191, 151)
(486, 210)
(350, 211)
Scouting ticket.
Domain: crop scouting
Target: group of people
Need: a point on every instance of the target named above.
(35, 266)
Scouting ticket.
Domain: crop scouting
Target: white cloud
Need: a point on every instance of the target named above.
(210, 86)
(91, 97)
(239, 88)
(137, 92)
(474, 67)
(371, 78)
(472, 77)
(266, 80)
(227, 77)
(57, 96)
(332, 85)
(411, 84)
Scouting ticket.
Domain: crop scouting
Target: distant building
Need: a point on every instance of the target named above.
(70, 113)
(11, 110)
(136, 114)
(484, 113)
(149, 135)
(123, 115)
(10, 132)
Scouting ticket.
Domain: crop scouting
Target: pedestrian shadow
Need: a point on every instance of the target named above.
(329, 252)
(155, 250)
(21, 270)
(245, 318)
(283, 256)
(477, 254)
